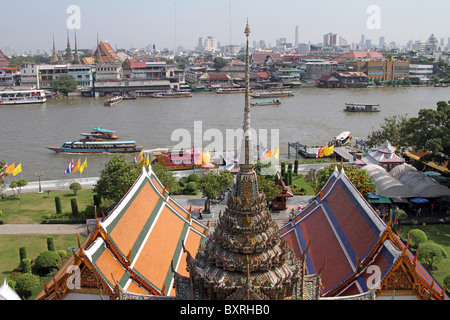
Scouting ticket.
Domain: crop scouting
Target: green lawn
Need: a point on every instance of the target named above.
(440, 234)
(34, 207)
(34, 244)
(300, 181)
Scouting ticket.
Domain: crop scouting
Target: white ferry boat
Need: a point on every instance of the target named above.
(11, 96)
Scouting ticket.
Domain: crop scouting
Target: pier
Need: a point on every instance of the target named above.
(310, 152)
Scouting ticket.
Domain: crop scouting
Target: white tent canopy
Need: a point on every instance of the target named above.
(421, 184)
(387, 185)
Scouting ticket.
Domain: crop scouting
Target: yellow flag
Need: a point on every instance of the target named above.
(77, 166)
(147, 161)
(10, 168)
(84, 165)
(277, 154)
(17, 169)
(330, 150)
(206, 157)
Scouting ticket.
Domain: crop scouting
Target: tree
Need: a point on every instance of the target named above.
(65, 84)
(359, 177)
(166, 177)
(268, 186)
(13, 186)
(431, 253)
(219, 63)
(21, 183)
(116, 178)
(390, 130)
(212, 184)
(51, 243)
(75, 187)
(430, 131)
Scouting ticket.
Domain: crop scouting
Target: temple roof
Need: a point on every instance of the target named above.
(344, 239)
(384, 155)
(7, 293)
(139, 241)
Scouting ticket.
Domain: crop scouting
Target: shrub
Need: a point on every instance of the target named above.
(47, 260)
(26, 283)
(183, 181)
(50, 243)
(25, 265)
(447, 281)
(193, 177)
(74, 205)
(75, 187)
(62, 253)
(22, 253)
(191, 187)
(416, 237)
(58, 205)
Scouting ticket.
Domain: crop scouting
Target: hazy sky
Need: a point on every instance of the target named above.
(30, 24)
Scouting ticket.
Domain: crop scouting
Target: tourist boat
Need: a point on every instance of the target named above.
(362, 107)
(171, 94)
(342, 139)
(230, 90)
(12, 96)
(90, 137)
(272, 94)
(104, 133)
(112, 101)
(97, 147)
(265, 102)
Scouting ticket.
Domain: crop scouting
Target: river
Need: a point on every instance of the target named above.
(313, 117)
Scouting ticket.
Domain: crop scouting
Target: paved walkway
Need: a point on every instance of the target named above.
(43, 229)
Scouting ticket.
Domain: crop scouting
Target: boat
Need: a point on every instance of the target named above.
(265, 102)
(171, 94)
(97, 147)
(112, 101)
(342, 139)
(129, 96)
(362, 107)
(272, 94)
(90, 137)
(11, 96)
(104, 133)
(184, 159)
(230, 90)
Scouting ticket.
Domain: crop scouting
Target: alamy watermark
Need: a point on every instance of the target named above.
(74, 19)
(216, 143)
(374, 19)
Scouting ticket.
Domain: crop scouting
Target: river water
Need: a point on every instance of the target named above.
(312, 117)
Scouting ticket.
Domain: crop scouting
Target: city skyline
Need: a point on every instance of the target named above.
(169, 24)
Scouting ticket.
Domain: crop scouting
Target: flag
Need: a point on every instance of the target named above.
(330, 150)
(83, 166)
(69, 167)
(10, 168)
(277, 154)
(17, 169)
(321, 152)
(263, 155)
(77, 166)
(206, 157)
(147, 161)
(5, 166)
(135, 160)
(269, 154)
(200, 158)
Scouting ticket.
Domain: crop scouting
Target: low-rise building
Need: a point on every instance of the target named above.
(381, 70)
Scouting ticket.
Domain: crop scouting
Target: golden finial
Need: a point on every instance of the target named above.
(247, 29)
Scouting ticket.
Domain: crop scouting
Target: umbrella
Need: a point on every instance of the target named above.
(208, 166)
(432, 173)
(419, 200)
(373, 196)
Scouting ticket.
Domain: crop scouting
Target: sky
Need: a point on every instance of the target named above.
(30, 24)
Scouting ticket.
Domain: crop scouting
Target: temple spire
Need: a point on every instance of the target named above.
(54, 56)
(69, 55)
(247, 162)
(76, 59)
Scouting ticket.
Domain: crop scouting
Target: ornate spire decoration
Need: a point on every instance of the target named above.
(247, 162)
(76, 59)
(244, 258)
(69, 55)
(54, 56)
